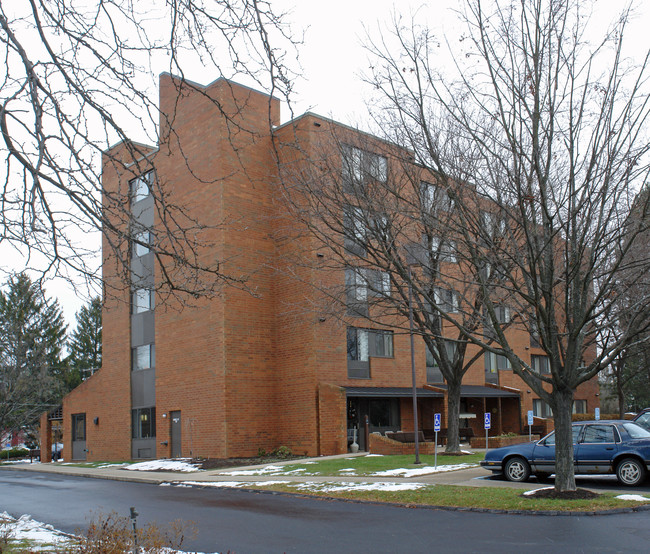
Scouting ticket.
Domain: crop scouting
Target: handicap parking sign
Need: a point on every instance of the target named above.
(436, 422)
(487, 420)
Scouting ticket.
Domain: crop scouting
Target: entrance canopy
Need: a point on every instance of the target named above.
(390, 392)
(479, 391)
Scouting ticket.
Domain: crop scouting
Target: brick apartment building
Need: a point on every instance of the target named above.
(246, 371)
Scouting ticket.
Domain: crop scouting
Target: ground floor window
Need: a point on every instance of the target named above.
(78, 427)
(579, 406)
(144, 423)
(541, 409)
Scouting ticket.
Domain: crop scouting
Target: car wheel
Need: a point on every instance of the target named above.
(543, 477)
(630, 472)
(517, 470)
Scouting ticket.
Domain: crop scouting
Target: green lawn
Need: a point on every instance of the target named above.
(499, 498)
(368, 465)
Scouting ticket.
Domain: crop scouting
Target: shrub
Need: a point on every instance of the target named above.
(113, 534)
(13, 453)
(282, 452)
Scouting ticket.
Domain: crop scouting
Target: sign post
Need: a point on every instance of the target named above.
(530, 424)
(597, 414)
(486, 423)
(436, 428)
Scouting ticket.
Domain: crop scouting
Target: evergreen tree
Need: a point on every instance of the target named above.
(85, 344)
(32, 334)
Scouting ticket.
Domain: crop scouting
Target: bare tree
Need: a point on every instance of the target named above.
(80, 76)
(394, 248)
(551, 129)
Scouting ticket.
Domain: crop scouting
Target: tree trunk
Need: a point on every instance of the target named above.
(564, 466)
(453, 411)
(621, 397)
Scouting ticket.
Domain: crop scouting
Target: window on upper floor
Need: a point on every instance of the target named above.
(434, 198)
(143, 300)
(140, 187)
(540, 365)
(360, 167)
(362, 344)
(355, 230)
(143, 357)
(143, 423)
(495, 362)
(363, 283)
(444, 250)
(447, 300)
(141, 243)
(434, 374)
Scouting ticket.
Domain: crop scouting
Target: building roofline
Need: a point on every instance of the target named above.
(198, 85)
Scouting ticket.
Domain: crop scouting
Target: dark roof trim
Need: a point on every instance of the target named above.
(390, 392)
(479, 391)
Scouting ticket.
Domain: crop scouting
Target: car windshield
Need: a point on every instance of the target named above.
(635, 431)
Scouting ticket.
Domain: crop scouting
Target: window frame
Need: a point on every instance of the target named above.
(372, 340)
(142, 300)
(140, 187)
(150, 356)
(137, 423)
(537, 368)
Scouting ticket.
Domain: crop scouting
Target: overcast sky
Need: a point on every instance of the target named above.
(332, 59)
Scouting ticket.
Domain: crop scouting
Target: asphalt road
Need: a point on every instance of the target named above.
(246, 522)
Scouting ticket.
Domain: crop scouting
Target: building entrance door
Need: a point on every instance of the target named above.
(176, 450)
(79, 436)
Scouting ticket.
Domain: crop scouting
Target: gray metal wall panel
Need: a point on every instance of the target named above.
(143, 329)
(143, 448)
(142, 270)
(143, 211)
(143, 388)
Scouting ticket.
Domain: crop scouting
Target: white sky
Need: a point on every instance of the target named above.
(332, 59)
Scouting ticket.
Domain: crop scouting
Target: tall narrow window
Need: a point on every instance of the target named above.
(143, 357)
(141, 187)
(435, 198)
(142, 240)
(142, 300)
(143, 423)
(447, 300)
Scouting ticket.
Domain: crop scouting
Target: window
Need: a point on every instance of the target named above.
(447, 300)
(355, 230)
(360, 283)
(534, 333)
(142, 240)
(143, 423)
(495, 362)
(599, 434)
(541, 409)
(579, 406)
(78, 427)
(141, 187)
(541, 365)
(492, 224)
(360, 166)
(143, 357)
(443, 251)
(434, 375)
(366, 343)
(435, 198)
(142, 300)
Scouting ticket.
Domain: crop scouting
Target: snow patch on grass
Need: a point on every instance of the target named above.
(636, 497)
(180, 464)
(41, 535)
(341, 487)
(426, 470)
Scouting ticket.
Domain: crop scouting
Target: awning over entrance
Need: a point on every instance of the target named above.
(479, 391)
(390, 392)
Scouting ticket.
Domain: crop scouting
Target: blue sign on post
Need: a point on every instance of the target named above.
(487, 420)
(530, 417)
(597, 414)
(436, 422)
